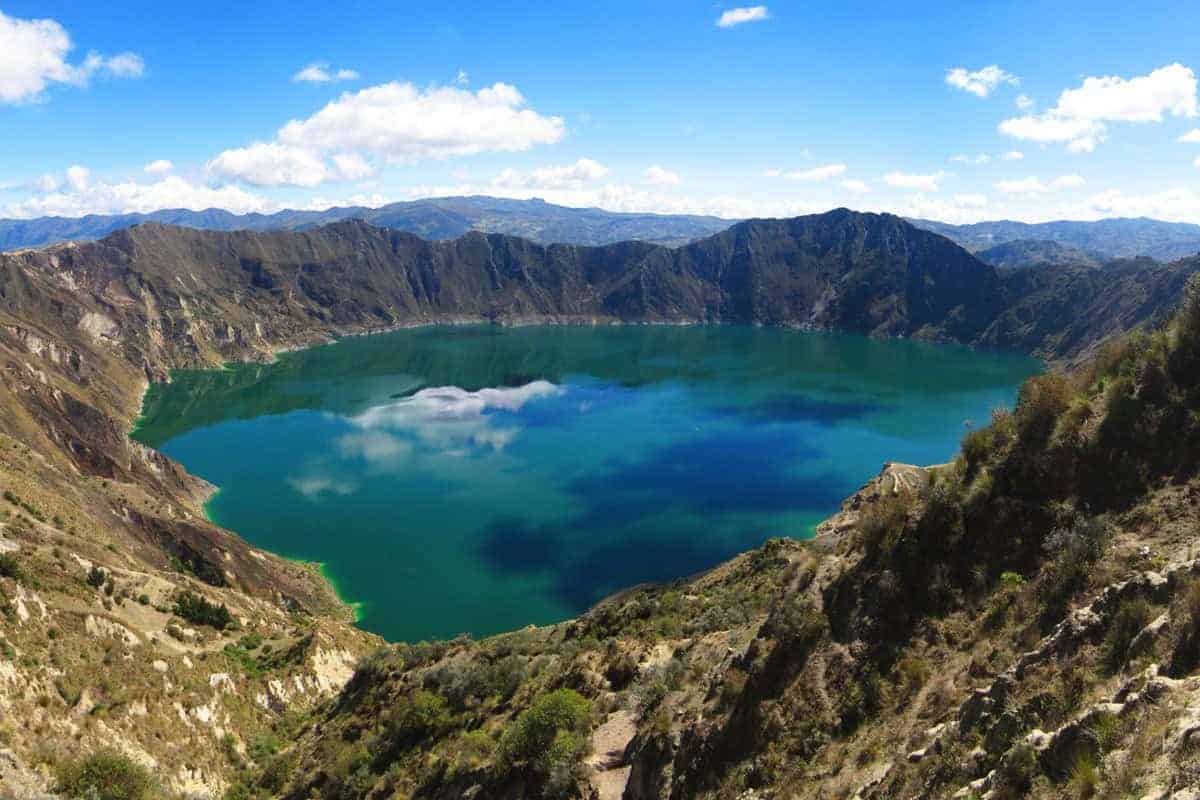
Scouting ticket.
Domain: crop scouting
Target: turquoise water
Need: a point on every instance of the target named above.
(479, 479)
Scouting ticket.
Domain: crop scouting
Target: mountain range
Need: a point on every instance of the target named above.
(968, 627)
(436, 218)
(545, 223)
(1107, 238)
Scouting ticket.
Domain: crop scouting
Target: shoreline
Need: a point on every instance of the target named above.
(355, 607)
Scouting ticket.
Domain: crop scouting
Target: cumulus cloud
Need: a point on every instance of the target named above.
(320, 72)
(981, 82)
(1191, 137)
(660, 176)
(1024, 102)
(1012, 155)
(1034, 185)
(33, 56)
(78, 178)
(566, 176)
(77, 194)
(272, 164)
(394, 123)
(398, 121)
(159, 167)
(1081, 117)
(818, 173)
(740, 16)
(923, 183)
(856, 186)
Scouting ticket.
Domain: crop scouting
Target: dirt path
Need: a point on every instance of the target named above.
(610, 773)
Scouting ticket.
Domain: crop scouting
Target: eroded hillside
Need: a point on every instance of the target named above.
(114, 583)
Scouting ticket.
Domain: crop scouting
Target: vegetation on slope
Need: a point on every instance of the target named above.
(1019, 622)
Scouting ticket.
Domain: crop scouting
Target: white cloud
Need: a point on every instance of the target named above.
(981, 82)
(352, 166)
(159, 167)
(1173, 205)
(1079, 119)
(392, 122)
(271, 164)
(462, 78)
(78, 177)
(1034, 185)
(971, 200)
(856, 186)
(739, 16)
(1191, 137)
(772, 173)
(1024, 102)
(566, 176)
(1012, 155)
(660, 176)
(953, 211)
(817, 173)
(922, 183)
(33, 56)
(1196, 163)
(319, 72)
(100, 197)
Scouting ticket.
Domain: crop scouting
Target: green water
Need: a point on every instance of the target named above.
(479, 479)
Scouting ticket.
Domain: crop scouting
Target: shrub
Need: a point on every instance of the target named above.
(1040, 402)
(912, 672)
(105, 775)
(96, 577)
(881, 522)
(10, 567)
(198, 611)
(549, 731)
(1127, 622)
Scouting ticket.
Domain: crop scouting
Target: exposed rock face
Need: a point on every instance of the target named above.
(164, 296)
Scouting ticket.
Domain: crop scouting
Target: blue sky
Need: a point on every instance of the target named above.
(789, 109)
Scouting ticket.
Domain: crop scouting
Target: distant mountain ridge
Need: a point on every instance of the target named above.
(1111, 238)
(442, 218)
(1023, 253)
(433, 218)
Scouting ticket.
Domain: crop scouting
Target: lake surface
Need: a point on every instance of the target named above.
(479, 479)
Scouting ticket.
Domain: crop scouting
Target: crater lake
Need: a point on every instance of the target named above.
(477, 479)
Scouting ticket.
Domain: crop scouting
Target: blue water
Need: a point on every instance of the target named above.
(479, 479)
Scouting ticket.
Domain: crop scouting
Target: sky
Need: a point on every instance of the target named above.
(945, 110)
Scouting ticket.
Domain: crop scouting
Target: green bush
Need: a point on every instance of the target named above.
(10, 567)
(105, 775)
(96, 577)
(198, 611)
(548, 732)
